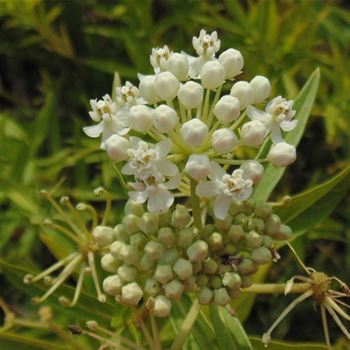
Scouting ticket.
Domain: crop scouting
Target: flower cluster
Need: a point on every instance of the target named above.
(162, 256)
(177, 126)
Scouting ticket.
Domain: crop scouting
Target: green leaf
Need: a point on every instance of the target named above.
(303, 105)
(235, 327)
(279, 345)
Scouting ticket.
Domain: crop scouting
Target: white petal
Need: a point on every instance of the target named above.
(288, 125)
(206, 189)
(166, 167)
(243, 194)
(94, 130)
(164, 147)
(276, 134)
(127, 170)
(256, 114)
(217, 172)
(221, 206)
(134, 142)
(173, 183)
(138, 197)
(159, 200)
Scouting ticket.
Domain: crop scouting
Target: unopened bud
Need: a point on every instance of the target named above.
(285, 233)
(163, 274)
(282, 154)
(127, 273)
(194, 132)
(221, 296)
(174, 289)
(253, 133)
(146, 263)
(223, 224)
(154, 250)
(112, 285)
(185, 237)
(247, 281)
(166, 86)
(140, 118)
(189, 284)
(149, 223)
(116, 147)
(244, 92)
(147, 89)
(169, 257)
(212, 75)
(236, 233)
(247, 266)
(178, 65)
(202, 280)
(216, 282)
(131, 223)
(232, 280)
(115, 248)
(252, 170)
(224, 140)
(227, 109)
(128, 254)
(183, 269)
(261, 89)
(164, 118)
(261, 255)
(215, 241)
(133, 208)
(210, 266)
(273, 225)
(152, 287)
(253, 240)
(198, 251)
(191, 94)
(181, 217)
(109, 263)
(166, 237)
(138, 240)
(162, 306)
(131, 294)
(104, 235)
(232, 61)
(205, 295)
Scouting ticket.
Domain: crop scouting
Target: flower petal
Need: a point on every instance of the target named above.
(206, 189)
(163, 147)
(216, 171)
(221, 206)
(288, 125)
(256, 114)
(159, 200)
(243, 194)
(94, 130)
(166, 167)
(276, 135)
(138, 197)
(173, 183)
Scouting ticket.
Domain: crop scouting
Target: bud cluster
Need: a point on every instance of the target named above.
(163, 256)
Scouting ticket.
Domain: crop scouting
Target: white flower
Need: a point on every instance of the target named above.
(206, 45)
(159, 57)
(194, 132)
(261, 89)
(227, 109)
(147, 88)
(128, 95)
(166, 86)
(191, 94)
(232, 61)
(224, 140)
(116, 147)
(164, 118)
(243, 91)
(198, 166)
(278, 115)
(140, 118)
(110, 125)
(178, 65)
(212, 75)
(282, 154)
(252, 170)
(147, 160)
(253, 133)
(102, 107)
(225, 188)
(160, 199)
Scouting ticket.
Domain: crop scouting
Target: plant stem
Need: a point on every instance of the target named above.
(196, 209)
(271, 288)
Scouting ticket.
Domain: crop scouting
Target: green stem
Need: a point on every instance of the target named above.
(120, 179)
(206, 105)
(238, 121)
(196, 209)
(235, 161)
(272, 288)
(211, 113)
(186, 327)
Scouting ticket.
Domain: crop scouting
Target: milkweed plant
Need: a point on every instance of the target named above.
(190, 146)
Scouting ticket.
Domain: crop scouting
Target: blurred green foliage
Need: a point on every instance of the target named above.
(56, 55)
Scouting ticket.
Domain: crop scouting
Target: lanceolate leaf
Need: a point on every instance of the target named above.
(280, 345)
(303, 105)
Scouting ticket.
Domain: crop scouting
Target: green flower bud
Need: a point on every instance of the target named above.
(230, 249)
(198, 251)
(241, 219)
(185, 237)
(163, 274)
(210, 266)
(134, 208)
(145, 263)
(207, 230)
(129, 254)
(104, 235)
(284, 234)
(263, 210)
(169, 257)
(116, 247)
(149, 223)
(256, 224)
(181, 217)
(234, 293)
(120, 233)
(268, 242)
(197, 267)
(166, 237)
(162, 306)
(261, 255)
(247, 281)
(152, 287)
(248, 206)
(202, 280)
(223, 225)
(131, 294)
(112, 285)
(221, 297)
(205, 295)
(236, 208)
(138, 240)
(236, 233)
(109, 263)
(154, 250)
(189, 284)
(216, 282)
(127, 273)
(183, 269)
(164, 218)
(215, 241)
(224, 268)
(131, 223)
(253, 240)
(247, 266)
(174, 289)
(273, 225)
(232, 280)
